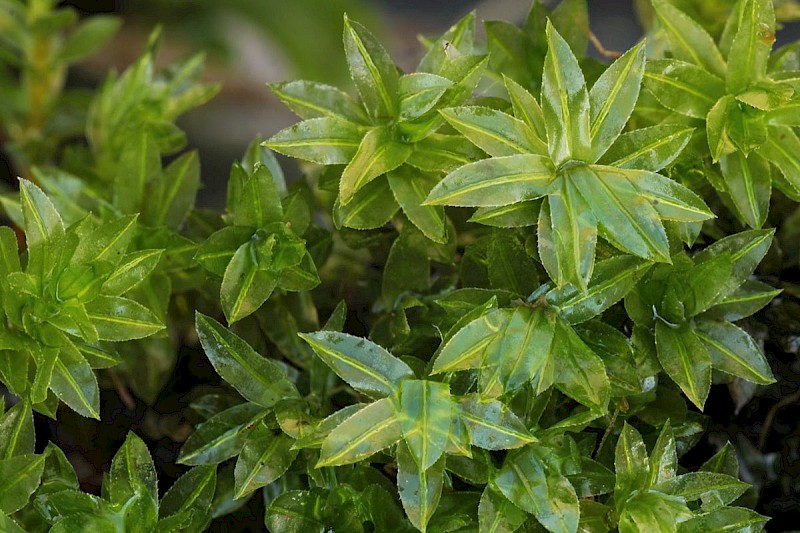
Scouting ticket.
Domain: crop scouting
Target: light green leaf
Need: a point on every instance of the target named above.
(650, 148)
(716, 490)
(75, 384)
(221, 436)
(685, 359)
(373, 71)
(368, 431)
(688, 40)
(171, 195)
(780, 149)
(496, 514)
(612, 280)
(494, 182)
(577, 371)
(683, 87)
(327, 140)
(42, 221)
(420, 489)
(613, 97)
(751, 46)
(747, 180)
(517, 215)
(310, 99)
(17, 435)
(653, 511)
(216, 252)
(139, 164)
(492, 425)
(526, 108)
(664, 458)
(419, 92)
(565, 102)
(257, 378)
(746, 300)
(443, 153)
(631, 465)
(108, 242)
(132, 483)
(120, 319)
(494, 132)
(426, 410)
(377, 154)
(363, 364)
(133, 268)
(467, 347)
(734, 352)
(264, 458)
(259, 201)
(670, 199)
(9, 252)
(20, 475)
(369, 208)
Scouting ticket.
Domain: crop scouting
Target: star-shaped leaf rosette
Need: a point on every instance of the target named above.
(567, 161)
(387, 141)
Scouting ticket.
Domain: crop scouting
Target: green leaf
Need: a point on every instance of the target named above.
(257, 378)
(571, 19)
(705, 281)
(746, 250)
(297, 511)
(221, 436)
(192, 492)
(565, 102)
(497, 181)
(407, 269)
(310, 99)
(650, 148)
(363, 364)
(419, 92)
(626, 220)
(567, 236)
(509, 266)
(377, 154)
(746, 300)
(437, 153)
(264, 458)
(120, 319)
(631, 465)
(218, 250)
(171, 196)
(747, 180)
(373, 71)
(461, 35)
(547, 495)
(716, 490)
(683, 87)
(578, 371)
(42, 221)
(9, 252)
(653, 511)
(496, 514)
(613, 97)
(89, 37)
(494, 132)
(685, 359)
(518, 215)
(664, 458)
(327, 140)
(688, 40)
(133, 269)
(425, 413)
(410, 188)
(132, 482)
(245, 285)
(139, 164)
(734, 352)
(107, 242)
(74, 382)
(612, 280)
(749, 52)
(420, 489)
(526, 108)
(259, 202)
(781, 145)
(492, 425)
(671, 200)
(725, 519)
(17, 435)
(467, 347)
(369, 208)
(368, 431)
(20, 475)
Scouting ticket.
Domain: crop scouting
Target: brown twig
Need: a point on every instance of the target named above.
(122, 390)
(611, 423)
(611, 54)
(787, 400)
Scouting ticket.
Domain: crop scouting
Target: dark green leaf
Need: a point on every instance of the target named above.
(218, 250)
(245, 285)
(631, 465)
(17, 436)
(410, 188)
(671, 200)
(685, 359)
(363, 364)
(192, 492)
(526, 108)
(119, 319)
(132, 483)
(419, 92)
(369, 208)
(20, 475)
(664, 457)
(650, 148)
(407, 268)
(734, 352)
(139, 164)
(75, 384)
(518, 215)
(106, 243)
(171, 195)
(747, 180)
(264, 458)
(746, 300)
(133, 268)
(258, 379)
(220, 437)
(259, 202)
(577, 371)
(492, 425)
